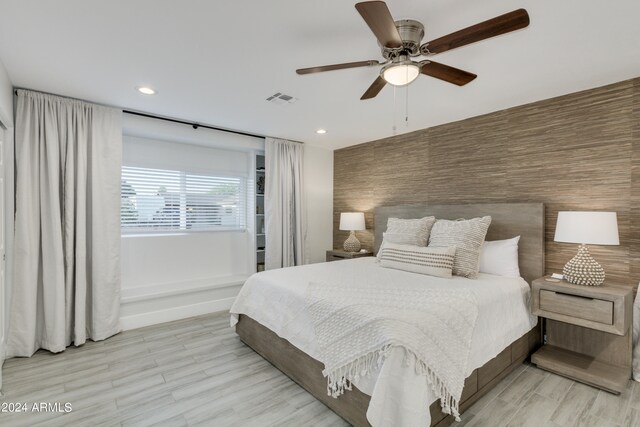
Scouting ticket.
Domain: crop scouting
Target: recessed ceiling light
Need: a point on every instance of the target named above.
(145, 90)
(321, 131)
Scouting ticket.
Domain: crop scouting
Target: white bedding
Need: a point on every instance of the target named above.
(276, 299)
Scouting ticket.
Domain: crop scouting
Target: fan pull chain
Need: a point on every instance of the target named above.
(406, 107)
(395, 112)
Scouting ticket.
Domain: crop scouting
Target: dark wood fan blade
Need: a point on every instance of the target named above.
(374, 89)
(377, 16)
(447, 73)
(502, 24)
(337, 67)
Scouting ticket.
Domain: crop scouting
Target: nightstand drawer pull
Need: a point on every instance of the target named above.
(577, 306)
(573, 296)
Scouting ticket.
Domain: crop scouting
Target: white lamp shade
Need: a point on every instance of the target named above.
(352, 221)
(595, 228)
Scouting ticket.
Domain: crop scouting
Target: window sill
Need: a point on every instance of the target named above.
(179, 233)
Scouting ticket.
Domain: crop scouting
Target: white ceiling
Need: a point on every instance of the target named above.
(215, 62)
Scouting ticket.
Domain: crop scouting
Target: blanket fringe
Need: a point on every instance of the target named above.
(341, 379)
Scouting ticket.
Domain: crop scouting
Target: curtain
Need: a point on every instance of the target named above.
(636, 337)
(284, 208)
(67, 228)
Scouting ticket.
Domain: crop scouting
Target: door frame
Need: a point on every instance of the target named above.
(7, 137)
(3, 258)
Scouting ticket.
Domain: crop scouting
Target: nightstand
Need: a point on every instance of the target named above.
(337, 255)
(588, 332)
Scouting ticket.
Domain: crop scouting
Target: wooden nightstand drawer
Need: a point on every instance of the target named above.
(603, 308)
(594, 309)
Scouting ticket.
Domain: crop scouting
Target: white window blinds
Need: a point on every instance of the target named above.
(173, 200)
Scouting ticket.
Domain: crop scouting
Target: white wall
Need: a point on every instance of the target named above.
(179, 259)
(166, 277)
(318, 187)
(6, 97)
(171, 276)
(155, 153)
(6, 119)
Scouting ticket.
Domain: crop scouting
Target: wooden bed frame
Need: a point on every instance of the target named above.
(508, 220)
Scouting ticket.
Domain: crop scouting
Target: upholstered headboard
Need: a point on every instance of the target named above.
(507, 220)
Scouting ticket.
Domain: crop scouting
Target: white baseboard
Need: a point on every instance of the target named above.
(167, 290)
(175, 313)
(150, 305)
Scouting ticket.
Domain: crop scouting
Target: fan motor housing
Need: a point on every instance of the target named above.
(411, 33)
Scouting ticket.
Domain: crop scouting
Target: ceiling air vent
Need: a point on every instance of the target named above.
(280, 98)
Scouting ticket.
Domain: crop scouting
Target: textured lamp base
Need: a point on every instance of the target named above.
(583, 269)
(352, 244)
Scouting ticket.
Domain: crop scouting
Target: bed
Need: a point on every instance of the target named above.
(269, 316)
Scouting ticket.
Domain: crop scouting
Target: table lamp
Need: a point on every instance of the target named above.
(594, 228)
(352, 221)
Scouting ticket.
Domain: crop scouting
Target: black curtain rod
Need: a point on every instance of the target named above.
(168, 119)
(192, 124)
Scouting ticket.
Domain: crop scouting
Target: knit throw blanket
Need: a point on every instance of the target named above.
(357, 325)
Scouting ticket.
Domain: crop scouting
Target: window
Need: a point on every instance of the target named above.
(173, 200)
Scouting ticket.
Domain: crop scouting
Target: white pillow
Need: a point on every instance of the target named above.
(500, 257)
(418, 259)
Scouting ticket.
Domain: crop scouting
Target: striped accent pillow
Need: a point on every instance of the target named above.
(467, 236)
(418, 259)
(399, 238)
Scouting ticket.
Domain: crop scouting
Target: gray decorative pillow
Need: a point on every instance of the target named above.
(420, 228)
(467, 236)
(418, 259)
(402, 238)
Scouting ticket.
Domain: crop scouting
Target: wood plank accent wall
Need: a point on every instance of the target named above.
(576, 152)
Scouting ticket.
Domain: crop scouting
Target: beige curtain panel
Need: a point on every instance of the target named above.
(284, 208)
(67, 229)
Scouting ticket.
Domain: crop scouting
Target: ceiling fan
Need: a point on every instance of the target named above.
(400, 41)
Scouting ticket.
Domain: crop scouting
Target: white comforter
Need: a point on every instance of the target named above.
(399, 396)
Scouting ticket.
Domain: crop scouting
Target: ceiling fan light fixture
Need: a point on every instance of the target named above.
(400, 73)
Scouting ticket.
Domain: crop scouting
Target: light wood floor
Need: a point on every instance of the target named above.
(197, 372)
